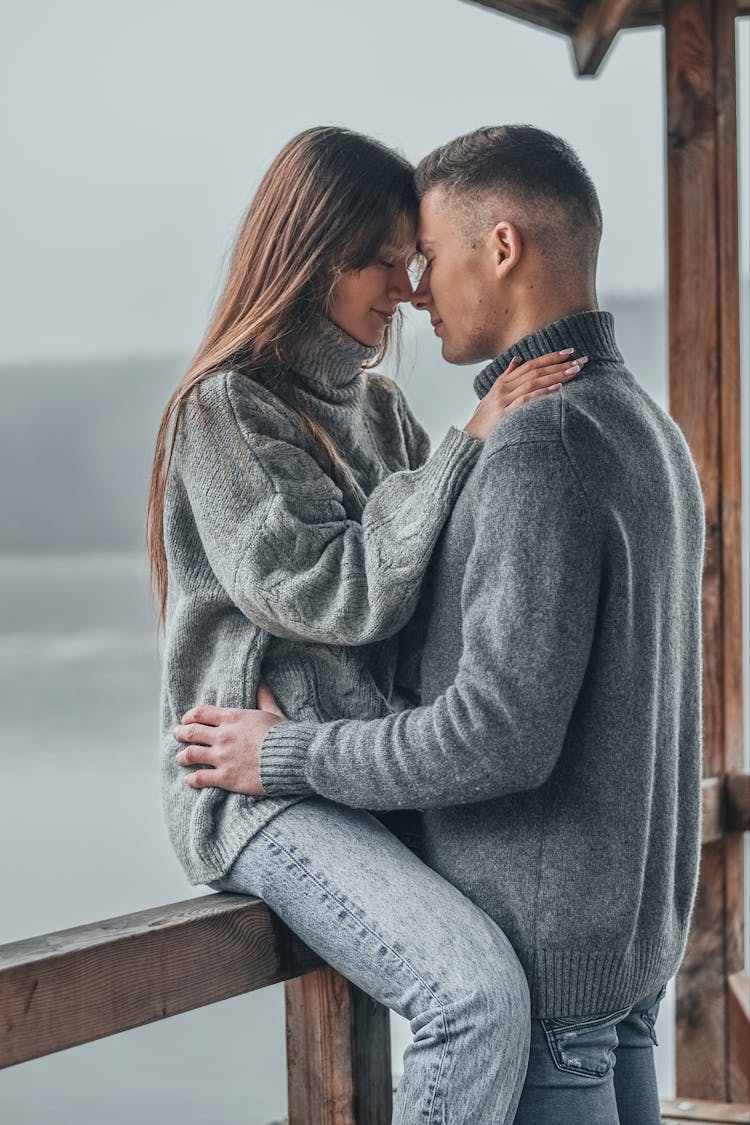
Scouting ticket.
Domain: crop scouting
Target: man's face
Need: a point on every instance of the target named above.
(459, 287)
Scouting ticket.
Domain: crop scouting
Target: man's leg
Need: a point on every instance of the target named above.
(366, 904)
(570, 1076)
(635, 1073)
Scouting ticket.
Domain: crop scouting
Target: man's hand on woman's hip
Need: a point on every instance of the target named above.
(226, 742)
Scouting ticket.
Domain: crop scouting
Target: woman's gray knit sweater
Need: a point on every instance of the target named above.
(276, 570)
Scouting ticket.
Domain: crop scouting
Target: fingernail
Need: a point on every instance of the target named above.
(583, 359)
(572, 370)
(566, 351)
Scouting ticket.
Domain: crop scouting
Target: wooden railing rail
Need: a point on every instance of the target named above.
(67, 988)
(63, 989)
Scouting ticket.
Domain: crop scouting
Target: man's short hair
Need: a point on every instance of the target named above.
(538, 173)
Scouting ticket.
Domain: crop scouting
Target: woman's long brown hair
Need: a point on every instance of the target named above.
(331, 200)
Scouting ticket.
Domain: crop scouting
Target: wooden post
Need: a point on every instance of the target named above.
(338, 1053)
(704, 390)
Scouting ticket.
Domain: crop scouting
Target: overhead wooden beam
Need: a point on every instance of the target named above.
(704, 395)
(596, 31)
(566, 15)
(554, 15)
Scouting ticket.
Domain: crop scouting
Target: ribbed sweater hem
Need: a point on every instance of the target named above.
(218, 851)
(579, 981)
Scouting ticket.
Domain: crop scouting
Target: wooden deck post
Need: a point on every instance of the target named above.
(338, 1053)
(704, 390)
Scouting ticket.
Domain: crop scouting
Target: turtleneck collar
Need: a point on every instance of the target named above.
(590, 333)
(331, 361)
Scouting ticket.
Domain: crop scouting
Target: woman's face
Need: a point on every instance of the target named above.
(365, 300)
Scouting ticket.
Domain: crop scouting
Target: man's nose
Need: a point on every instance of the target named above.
(422, 296)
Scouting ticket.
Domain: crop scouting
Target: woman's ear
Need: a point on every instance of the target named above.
(507, 246)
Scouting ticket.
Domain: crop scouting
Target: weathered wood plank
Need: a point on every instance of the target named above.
(704, 399)
(738, 802)
(712, 812)
(704, 1113)
(595, 32)
(338, 1053)
(70, 987)
(739, 1035)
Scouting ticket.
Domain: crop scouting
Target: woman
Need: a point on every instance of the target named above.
(292, 515)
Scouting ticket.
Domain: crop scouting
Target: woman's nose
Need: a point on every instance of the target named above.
(400, 285)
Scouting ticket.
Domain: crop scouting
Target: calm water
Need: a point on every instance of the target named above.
(82, 819)
(81, 822)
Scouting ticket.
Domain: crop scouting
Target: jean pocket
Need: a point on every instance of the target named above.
(583, 1046)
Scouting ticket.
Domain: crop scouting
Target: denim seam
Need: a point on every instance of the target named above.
(266, 835)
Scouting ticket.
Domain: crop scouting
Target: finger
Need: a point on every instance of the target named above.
(203, 779)
(266, 700)
(514, 363)
(560, 359)
(195, 732)
(207, 715)
(558, 374)
(196, 756)
(517, 403)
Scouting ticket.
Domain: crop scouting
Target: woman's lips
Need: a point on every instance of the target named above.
(385, 317)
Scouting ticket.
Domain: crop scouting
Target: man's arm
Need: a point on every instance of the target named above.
(529, 602)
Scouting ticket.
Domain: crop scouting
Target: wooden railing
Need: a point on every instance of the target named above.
(67, 988)
(71, 987)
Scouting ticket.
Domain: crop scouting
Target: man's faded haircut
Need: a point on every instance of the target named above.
(537, 175)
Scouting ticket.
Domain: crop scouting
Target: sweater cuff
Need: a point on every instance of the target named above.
(451, 460)
(283, 758)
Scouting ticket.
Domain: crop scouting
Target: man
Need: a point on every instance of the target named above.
(556, 753)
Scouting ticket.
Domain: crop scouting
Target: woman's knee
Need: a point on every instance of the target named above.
(491, 977)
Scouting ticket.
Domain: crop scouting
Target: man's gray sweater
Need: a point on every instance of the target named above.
(557, 751)
(277, 569)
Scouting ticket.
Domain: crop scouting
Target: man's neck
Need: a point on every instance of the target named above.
(535, 314)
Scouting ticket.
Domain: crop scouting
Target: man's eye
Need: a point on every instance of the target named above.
(385, 264)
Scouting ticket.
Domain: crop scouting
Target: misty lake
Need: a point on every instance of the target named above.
(82, 839)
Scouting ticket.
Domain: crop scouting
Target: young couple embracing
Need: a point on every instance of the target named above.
(442, 713)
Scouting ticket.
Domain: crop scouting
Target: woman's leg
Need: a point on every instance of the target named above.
(370, 908)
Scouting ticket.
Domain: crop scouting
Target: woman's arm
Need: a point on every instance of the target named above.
(275, 529)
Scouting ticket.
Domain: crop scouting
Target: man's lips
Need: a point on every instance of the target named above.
(436, 325)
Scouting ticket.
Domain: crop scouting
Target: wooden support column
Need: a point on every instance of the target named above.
(338, 1053)
(704, 389)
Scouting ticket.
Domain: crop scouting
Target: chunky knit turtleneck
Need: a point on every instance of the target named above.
(590, 333)
(273, 563)
(331, 365)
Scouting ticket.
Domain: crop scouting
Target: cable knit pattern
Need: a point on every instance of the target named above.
(557, 752)
(275, 567)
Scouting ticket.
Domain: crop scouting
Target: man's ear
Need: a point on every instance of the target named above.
(507, 247)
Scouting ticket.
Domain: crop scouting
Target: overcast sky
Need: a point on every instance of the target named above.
(133, 136)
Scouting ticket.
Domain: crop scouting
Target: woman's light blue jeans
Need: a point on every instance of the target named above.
(368, 906)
